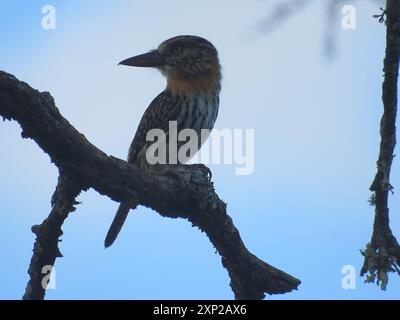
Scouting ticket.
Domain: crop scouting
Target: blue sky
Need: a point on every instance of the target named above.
(316, 123)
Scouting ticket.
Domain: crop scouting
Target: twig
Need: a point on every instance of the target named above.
(281, 12)
(381, 17)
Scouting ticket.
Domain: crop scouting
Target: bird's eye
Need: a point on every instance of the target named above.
(176, 49)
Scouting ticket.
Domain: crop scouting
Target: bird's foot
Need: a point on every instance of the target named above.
(204, 169)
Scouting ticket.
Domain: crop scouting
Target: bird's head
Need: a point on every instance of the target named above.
(190, 64)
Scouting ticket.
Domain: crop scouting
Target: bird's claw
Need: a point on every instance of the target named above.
(209, 173)
(206, 170)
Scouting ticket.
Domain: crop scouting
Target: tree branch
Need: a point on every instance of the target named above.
(382, 254)
(193, 198)
(45, 250)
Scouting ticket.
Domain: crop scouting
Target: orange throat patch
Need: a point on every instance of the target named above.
(180, 84)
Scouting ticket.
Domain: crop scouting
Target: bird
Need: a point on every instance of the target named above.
(191, 98)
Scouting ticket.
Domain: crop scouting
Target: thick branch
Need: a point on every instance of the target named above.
(382, 254)
(193, 198)
(45, 250)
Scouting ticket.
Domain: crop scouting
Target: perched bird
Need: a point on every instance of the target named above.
(191, 98)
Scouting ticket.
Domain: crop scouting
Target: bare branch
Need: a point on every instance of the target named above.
(332, 26)
(281, 12)
(193, 198)
(46, 251)
(382, 254)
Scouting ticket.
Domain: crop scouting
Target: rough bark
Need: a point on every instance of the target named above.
(45, 250)
(382, 254)
(192, 197)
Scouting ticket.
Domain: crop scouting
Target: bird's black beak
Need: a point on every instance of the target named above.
(150, 59)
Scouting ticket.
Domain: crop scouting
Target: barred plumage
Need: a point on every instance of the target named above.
(191, 98)
(190, 112)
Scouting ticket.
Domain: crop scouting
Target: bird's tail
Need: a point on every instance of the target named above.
(117, 224)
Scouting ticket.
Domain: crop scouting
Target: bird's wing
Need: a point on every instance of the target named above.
(164, 108)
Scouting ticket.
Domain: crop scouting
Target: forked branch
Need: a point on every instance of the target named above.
(86, 167)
